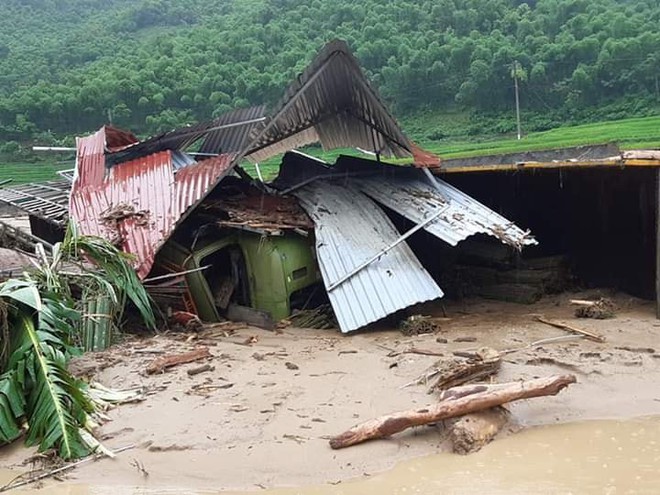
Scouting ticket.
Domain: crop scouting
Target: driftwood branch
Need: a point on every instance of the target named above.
(160, 364)
(454, 402)
(33, 477)
(570, 328)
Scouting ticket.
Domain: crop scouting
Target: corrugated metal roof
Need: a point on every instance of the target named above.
(350, 229)
(411, 193)
(229, 133)
(417, 199)
(138, 203)
(331, 102)
(47, 200)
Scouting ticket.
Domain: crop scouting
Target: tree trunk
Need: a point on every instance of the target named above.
(454, 402)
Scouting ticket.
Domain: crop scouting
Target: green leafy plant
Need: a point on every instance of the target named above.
(40, 323)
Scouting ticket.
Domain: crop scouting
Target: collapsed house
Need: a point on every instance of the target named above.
(209, 239)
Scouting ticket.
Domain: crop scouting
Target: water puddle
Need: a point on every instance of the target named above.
(605, 457)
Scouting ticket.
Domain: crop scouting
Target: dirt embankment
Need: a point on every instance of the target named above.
(263, 415)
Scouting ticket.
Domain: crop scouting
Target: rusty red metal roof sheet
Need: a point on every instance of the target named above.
(137, 204)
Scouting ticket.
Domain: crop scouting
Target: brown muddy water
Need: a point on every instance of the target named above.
(594, 457)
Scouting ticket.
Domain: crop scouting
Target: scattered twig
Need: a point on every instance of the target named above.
(162, 363)
(639, 350)
(415, 350)
(140, 467)
(19, 481)
(570, 328)
(536, 343)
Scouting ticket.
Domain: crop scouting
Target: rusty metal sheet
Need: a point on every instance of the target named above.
(137, 204)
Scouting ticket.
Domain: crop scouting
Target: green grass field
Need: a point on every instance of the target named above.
(640, 133)
(636, 133)
(20, 172)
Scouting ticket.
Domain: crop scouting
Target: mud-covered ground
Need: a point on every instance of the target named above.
(262, 417)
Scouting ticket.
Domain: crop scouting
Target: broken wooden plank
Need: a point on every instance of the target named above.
(454, 402)
(564, 326)
(160, 364)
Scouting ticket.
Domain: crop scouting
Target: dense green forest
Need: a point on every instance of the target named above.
(67, 66)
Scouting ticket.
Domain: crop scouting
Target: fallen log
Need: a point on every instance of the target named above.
(454, 402)
(570, 328)
(160, 364)
(472, 431)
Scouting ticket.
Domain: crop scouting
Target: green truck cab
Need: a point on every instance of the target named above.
(247, 269)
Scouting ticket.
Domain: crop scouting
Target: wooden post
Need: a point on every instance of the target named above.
(657, 243)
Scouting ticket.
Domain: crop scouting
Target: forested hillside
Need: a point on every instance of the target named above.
(67, 66)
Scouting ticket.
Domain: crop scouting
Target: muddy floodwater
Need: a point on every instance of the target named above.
(599, 457)
(255, 423)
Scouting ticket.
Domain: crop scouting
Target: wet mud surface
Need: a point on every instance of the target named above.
(262, 417)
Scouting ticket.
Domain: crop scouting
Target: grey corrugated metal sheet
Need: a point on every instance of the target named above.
(331, 102)
(235, 130)
(229, 133)
(350, 229)
(417, 199)
(47, 200)
(181, 160)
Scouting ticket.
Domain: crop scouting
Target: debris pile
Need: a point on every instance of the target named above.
(418, 325)
(601, 309)
(322, 317)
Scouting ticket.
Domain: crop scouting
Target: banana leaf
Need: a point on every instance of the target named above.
(116, 267)
(38, 385)
(12, 407)
(40, 325)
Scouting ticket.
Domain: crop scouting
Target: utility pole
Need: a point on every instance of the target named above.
(515, 82)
